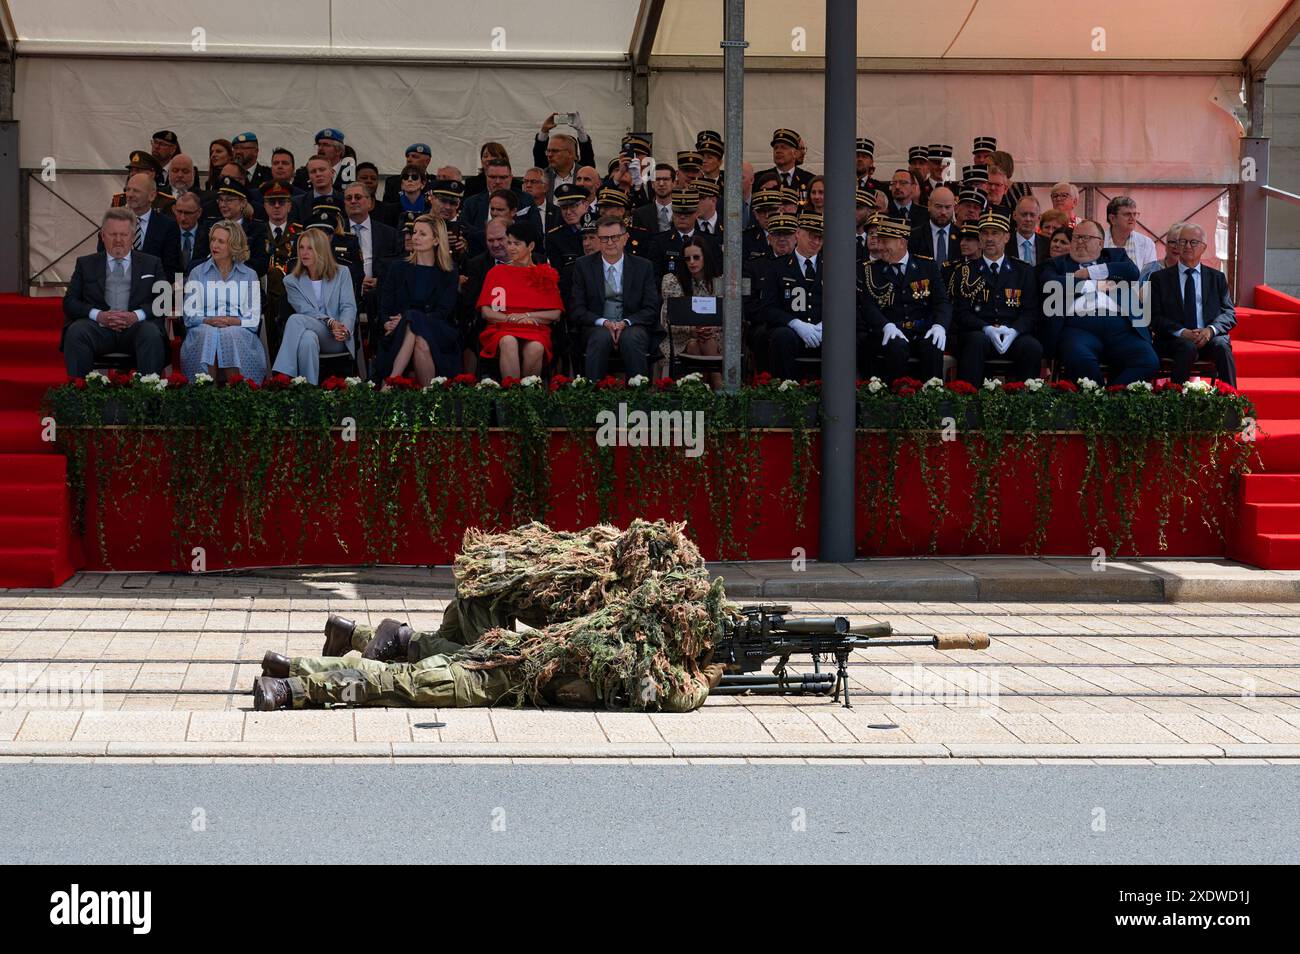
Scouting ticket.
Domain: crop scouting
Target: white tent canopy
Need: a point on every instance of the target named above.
(1152, 100)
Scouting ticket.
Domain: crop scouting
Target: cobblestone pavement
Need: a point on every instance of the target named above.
(169, 661)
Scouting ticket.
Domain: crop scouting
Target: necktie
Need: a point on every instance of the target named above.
(119, 267)
(862, 244)
(1189, 299)
(704, 227)
(785, 179)
(611, 278)
(1028, 253)
(898, 270)
(278, 233)
(993, 267)
(187, 245)
(941, 246)
(139, 236)
(809, 270)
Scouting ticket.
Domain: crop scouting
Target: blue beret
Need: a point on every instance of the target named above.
(420, 147)
(245, 137)
(335, 134)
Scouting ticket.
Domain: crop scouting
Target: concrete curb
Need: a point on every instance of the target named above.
(646, 750)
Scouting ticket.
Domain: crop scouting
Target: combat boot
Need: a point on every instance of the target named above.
(274, 664)
(270, 693)
(390, 641)
(570, 691)
(338, 636)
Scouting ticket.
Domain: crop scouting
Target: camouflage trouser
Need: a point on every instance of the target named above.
(463, 622)
(435, 681)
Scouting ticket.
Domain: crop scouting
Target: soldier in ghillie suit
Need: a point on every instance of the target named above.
(624, 619)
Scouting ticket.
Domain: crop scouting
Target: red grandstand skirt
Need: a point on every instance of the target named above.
(491, 336)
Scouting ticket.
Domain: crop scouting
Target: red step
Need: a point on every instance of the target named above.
(1269, 551)
(1267, 359)
(31, 346)
(1271, 298)
(25, 387)
(20, 432)
(36, 532)
(1279, 445)
(46, 311)
(34, 500)
(1265, 518)
(44, 567)
(1272, 397)
(1254, 324)
(32, 469)
(1270, 488)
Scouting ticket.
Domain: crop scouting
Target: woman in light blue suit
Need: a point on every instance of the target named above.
(223, 310)
(324, 308)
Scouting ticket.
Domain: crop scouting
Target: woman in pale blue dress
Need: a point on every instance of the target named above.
(223, 310)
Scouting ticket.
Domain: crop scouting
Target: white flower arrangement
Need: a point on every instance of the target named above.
(532, 381)
(1139, 386)
(1089, 385)
(990, 384)
(1034, 384)
(1199, 386)
(148, 379)
(96, 377)
(202, 378)
(934, 384)
(438, 382)
(692, 378)
(875, 385)
(787, 384)
(578, 381)
(637, 380)
(299, 380)
(352, 382)
(488, 383)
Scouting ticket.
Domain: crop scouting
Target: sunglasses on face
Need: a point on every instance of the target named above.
(413, 177)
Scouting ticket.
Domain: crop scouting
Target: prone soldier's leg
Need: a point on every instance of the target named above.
(438, 681)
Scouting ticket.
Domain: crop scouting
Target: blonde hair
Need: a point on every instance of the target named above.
(442, 251)
(235, 239)
(325, 263)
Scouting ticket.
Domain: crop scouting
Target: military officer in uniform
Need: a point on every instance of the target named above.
(763, 204)
(968, 247)
(141, 160)
(790, 301)
(708, 143)
(281, 246)
(937, 156)
(564, 241)
(779, 242)
(865, 162)
(971, 204)
(709, 217)
(904, 301)
(785, 155)
(164, 146)
(982, 149)
(343, 244)
(689, 165)
(918, 163)
(666, 247)
(232, 198)
(995, 307)
(246, 148)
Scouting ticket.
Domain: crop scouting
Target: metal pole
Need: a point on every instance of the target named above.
(839, 286)
(733, 95)
(1252, 219)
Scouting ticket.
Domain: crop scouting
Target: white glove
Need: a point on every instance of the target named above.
(993, 334)
(891, 331)
(809, 335)
(938, 336)
(817, 330)
(577, 124)
(1008, 335)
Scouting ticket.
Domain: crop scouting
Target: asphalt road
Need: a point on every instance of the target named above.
(547, 813)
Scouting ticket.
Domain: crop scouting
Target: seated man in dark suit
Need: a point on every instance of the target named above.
(790, 299)
(1192, 312)
(156, 233)
(1026, 243)
(1091, 303)
(320, 178)
(904, 195)
(937, 238)
(615, 299)
(110, 302)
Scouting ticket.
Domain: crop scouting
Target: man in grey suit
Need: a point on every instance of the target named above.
(615, 298)
(110, 302)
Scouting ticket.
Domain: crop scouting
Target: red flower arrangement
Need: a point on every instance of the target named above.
(1223, 387)
(334, 383)
(509, 382)
(1116, 388)
(1168, 386)
(234, 377)
(400, 383)
(469, 379)
(609, 383)
(763, 378)
(901, 383)
(1013, 387)
(961, 387)
(663, 384)
(279, 382)
(78, 383)
(558, 381)
(1068, 387)
(120, 378)
(176, 380)
(905, 391)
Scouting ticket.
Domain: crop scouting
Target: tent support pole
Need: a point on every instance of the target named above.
(1252, 218)
(12, 213)
(839, 288)
(733, 91)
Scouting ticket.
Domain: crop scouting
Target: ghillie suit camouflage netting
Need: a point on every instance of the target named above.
(632, 612)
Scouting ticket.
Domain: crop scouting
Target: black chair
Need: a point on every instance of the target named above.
(681, 314)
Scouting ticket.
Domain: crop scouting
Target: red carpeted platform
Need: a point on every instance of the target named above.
(1266, 343)
(37, 548)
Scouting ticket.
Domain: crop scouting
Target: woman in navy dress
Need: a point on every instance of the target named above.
(418, 309)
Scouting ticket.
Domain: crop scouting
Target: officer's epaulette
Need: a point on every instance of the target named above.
(556, 229)
(925, 258)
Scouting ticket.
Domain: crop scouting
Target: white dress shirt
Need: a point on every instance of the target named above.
(365, 235)
(108, 267)
(1140, 249)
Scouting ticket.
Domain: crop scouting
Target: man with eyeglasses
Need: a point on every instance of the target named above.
(1172, 252)
(564, 241)
(1192, 311)
(657, 215)
(614, 301)
(538, 209)
(561, 155)
(1122, 214)
(1091, 318)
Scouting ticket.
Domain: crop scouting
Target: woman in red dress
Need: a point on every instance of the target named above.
(519, 302)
